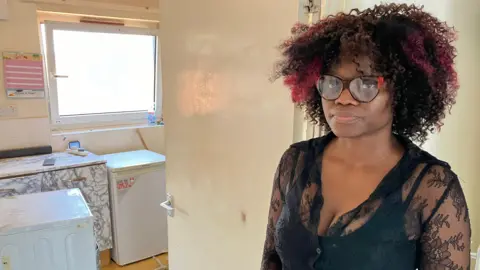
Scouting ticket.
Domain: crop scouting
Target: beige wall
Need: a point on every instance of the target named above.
(458, 142)
(31, 126)
(110, 141)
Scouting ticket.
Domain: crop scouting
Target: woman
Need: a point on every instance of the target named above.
(364, 196)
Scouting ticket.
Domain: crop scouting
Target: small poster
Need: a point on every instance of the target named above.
(23, 75)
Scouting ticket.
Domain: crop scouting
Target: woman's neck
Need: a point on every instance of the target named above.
(368, 149)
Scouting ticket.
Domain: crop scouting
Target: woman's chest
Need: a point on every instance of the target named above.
(382, 232)
(344, 188)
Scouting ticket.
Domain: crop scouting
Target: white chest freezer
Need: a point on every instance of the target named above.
(47, 231)
(137, 187)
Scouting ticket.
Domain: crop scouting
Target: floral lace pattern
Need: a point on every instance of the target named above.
(417, 218)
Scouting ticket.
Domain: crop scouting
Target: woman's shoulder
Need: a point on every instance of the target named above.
(440, 192)
(434, 188)
(302, 150)
(298, 157)
(437, 182)
(439, 176)
(315, 144)
(437, 173)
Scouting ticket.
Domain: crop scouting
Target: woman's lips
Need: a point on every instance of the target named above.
(345, 118)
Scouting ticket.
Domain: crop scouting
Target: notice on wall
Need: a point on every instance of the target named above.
(23, 75)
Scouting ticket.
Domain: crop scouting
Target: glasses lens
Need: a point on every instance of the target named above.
(329, 87)
(364, 89)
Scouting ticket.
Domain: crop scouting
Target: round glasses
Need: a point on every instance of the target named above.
(363, 89)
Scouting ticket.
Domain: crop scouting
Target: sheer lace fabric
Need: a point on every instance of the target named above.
(417, 218)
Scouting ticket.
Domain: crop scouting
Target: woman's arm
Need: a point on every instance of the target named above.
(445, 241)
(270, 258)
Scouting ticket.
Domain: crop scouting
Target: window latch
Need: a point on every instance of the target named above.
(58, 76)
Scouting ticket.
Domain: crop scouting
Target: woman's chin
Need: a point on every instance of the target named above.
(347, 131)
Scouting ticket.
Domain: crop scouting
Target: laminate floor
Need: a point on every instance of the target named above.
(149, 264)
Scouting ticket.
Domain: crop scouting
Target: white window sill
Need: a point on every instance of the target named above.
(102, 129)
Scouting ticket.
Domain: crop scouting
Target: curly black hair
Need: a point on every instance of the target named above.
(412, 50)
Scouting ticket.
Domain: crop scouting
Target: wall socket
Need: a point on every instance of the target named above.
(8, 111)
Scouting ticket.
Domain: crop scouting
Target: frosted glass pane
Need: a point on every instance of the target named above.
(107, 73)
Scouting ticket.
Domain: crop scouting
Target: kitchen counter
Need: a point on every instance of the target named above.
(12, 167)
(27, 175)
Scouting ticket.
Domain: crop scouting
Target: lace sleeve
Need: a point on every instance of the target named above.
(445, 240)
(270, 259)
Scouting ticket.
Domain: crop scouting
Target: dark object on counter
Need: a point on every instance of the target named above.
(49, 162)
(31, 151)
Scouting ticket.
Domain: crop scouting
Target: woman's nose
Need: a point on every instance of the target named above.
(346, 98)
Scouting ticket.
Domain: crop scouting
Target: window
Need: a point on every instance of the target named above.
(99, 73)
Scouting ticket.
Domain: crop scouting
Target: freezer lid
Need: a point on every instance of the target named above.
(133, 159)
(41, 210)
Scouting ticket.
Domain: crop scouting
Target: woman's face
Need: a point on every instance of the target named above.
(350, 118)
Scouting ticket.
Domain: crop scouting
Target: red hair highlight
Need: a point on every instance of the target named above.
(414, 49)
(302, 86)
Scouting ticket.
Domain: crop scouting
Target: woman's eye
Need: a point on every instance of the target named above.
(369, 84)
(333, 83)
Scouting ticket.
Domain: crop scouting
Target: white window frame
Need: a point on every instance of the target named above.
(90, 120)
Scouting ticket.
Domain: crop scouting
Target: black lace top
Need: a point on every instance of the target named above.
(416, 218)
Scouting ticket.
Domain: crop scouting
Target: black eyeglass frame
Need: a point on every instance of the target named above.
(380, 81)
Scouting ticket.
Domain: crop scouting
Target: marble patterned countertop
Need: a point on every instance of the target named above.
(12, 167)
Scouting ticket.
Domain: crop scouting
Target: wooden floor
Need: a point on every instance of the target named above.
(149, 264)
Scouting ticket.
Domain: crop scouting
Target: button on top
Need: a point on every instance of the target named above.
(319, 251)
